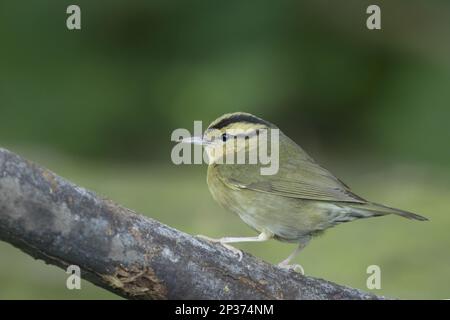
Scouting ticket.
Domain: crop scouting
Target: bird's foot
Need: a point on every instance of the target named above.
(236, 251)
(294, 267)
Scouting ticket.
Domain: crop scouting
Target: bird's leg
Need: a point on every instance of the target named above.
(296, 267)
(263, 236)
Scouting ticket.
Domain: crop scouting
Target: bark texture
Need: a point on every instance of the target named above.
(134, 256)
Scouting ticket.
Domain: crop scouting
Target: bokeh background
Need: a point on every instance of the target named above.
(98, 106)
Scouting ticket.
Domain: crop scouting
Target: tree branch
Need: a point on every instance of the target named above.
(136, 257)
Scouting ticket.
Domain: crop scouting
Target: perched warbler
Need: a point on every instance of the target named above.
(299, 201)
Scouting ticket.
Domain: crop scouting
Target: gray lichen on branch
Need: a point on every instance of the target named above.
(131, 255)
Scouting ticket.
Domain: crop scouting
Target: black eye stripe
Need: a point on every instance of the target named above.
(224, 137)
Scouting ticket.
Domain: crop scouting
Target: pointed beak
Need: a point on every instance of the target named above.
(193, 140)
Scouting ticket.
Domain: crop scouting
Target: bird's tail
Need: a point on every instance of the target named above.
(371, 209)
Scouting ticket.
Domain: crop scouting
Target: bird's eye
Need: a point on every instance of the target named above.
(224, 137)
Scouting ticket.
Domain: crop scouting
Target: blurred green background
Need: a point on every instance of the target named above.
(98, 106)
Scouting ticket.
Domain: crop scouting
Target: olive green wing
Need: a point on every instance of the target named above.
(241, 178)
(299, 176)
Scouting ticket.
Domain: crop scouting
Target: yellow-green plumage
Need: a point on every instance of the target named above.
(299, 201)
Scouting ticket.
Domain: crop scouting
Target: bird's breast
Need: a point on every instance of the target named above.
(289, 219)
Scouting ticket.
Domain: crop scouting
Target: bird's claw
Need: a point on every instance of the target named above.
(294, 267)
(234, 250)
(226, 245)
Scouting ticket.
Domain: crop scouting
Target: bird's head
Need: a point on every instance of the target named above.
(232, 134)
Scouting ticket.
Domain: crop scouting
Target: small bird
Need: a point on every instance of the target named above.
(301, 200)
